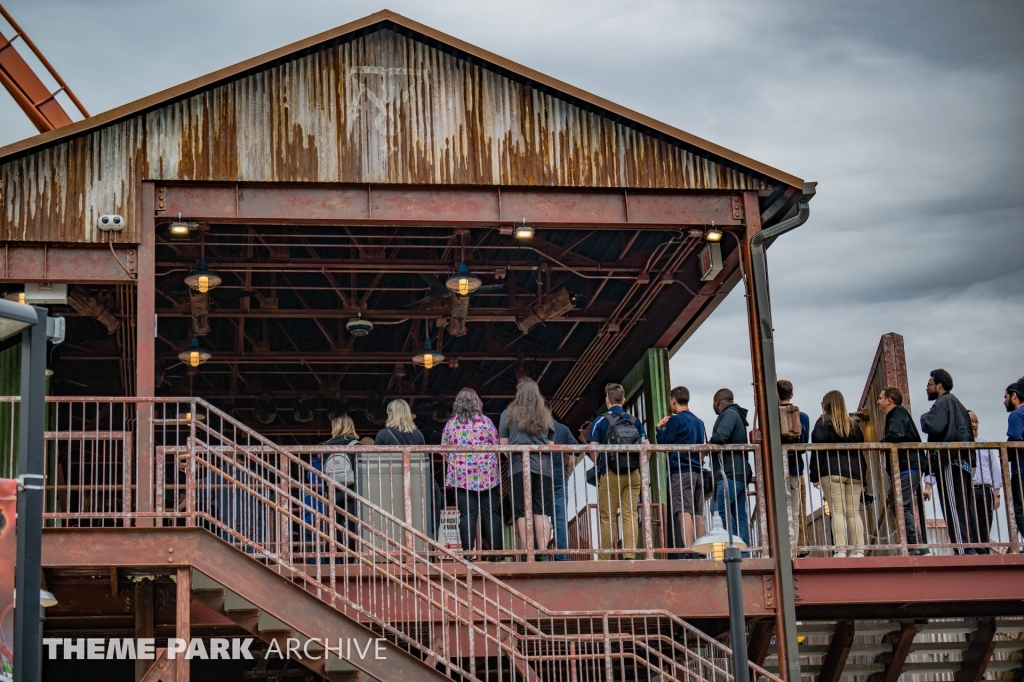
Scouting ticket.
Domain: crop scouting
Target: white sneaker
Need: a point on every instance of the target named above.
(857, 555)
(839, 555)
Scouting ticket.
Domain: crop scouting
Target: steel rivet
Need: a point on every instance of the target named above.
(170, 549)
(170, 558)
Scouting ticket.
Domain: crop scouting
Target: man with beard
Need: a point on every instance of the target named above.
(1014, 402)
(948, 422)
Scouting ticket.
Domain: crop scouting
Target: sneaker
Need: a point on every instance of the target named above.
(856, 555)
(839, 555)
(918, 552)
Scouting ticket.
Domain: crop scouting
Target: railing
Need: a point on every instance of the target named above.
(212, 472)
(896, 499)
(527, 515)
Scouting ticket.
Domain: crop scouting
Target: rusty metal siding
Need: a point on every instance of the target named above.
(382, 108)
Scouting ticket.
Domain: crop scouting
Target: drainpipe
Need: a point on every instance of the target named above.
(786, 636)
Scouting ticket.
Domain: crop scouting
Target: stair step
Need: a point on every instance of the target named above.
(267, 623)
(232, 602)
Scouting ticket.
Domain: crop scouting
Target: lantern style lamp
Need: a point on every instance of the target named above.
(195, 354)
(428, 357)
(202, 280)
(463, 282)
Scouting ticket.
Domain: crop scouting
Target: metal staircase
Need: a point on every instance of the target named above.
(372, 568)
(954, 649)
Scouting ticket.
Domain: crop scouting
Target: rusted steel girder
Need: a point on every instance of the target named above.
(54, 263)
(445, 205)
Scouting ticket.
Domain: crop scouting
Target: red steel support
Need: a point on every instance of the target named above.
(183, 622)
(761, 401)
(838, 652)
(975, 660)
(902, 640)
(90, 263)
(145, 351)
(142, 600)
(446, 205)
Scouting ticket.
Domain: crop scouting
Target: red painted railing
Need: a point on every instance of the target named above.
(210, 471)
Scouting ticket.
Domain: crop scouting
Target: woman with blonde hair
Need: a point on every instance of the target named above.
(840, 474)
(528, 421)
(400, 427)
(474, 475)
(341, 468)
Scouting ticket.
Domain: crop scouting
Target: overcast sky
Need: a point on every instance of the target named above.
(910, 116)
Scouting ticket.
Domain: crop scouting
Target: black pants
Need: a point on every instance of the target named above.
(910, 488)
(984, 503)
(486, 506)
(956, 497)
(347, 502)
(1017, 490)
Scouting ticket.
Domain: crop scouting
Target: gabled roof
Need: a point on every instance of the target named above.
(391, 20)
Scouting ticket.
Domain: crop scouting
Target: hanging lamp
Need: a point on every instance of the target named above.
(428, 357)
(202, 280)
(195, 354)
(463, 282)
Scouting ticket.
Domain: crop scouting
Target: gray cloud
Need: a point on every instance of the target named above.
(908, 114)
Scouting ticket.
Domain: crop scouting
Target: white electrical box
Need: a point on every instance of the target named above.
(46, 294)
(710, 262)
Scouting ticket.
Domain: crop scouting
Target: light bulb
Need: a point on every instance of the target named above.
(463, 286)
(179, 229)
(204, 283)
(718, 551)
(524, 232)
(21, 297)
(193, 358)
(428, 360)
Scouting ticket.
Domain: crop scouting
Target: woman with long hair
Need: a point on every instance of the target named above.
(400, 427)
(528, 421)
(341, 468)
(474, 475)
(840, 474)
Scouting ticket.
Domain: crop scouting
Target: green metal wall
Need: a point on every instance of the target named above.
(10, 384)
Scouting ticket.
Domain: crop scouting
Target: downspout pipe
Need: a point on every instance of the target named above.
(779, 469)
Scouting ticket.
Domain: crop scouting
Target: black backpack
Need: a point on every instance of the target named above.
(622, 430)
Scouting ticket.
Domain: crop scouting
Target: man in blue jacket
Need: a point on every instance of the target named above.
(1014, 402)
(731, 429)
(686, 481)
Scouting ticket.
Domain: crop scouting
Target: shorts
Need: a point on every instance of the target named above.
(686, 490)
(542, 495)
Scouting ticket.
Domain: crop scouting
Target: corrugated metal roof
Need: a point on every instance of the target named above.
(387, 19)
(380, 108)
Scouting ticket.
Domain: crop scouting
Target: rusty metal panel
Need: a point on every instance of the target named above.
(381, 108)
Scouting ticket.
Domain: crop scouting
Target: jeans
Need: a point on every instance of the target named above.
(561, 528)
(737, 492)
(1017, 491)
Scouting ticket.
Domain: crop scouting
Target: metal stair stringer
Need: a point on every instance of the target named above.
(302, 612)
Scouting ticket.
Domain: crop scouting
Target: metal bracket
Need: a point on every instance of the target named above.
(23, 486)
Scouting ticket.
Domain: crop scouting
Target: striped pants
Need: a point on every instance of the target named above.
(956, 497)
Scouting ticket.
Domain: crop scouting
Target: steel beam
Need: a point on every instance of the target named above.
(142, 603)
(838, 651)
(145, 347)
(52, 263)
(902, 641)
(760, 640)
(447, 205)
(975, 660)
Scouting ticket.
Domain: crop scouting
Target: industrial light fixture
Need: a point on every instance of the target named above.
(17, 297)
(716, 540)
(524, 231)
(376, 409)
(428, 357)
(46, 599)
(463, 282)
(194, 355)
(550, 307)
(180, 229)
(303, 413)
(713, 234)
(202, 280)
(266, 410)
